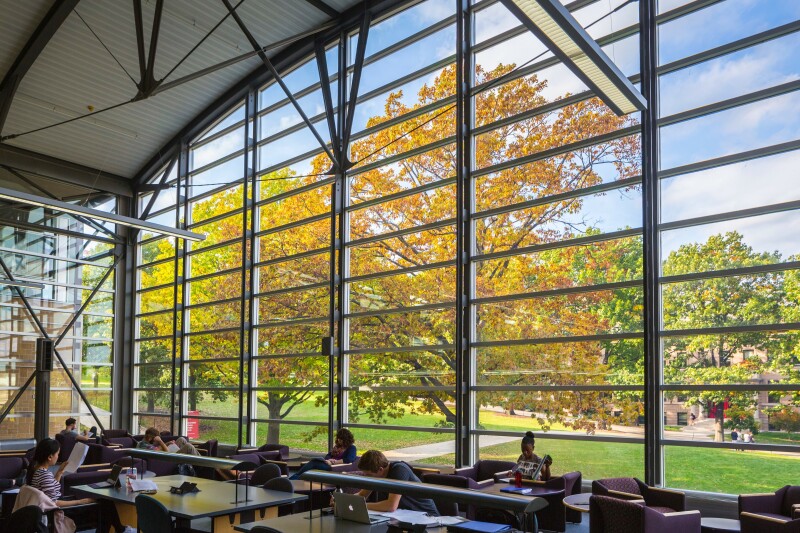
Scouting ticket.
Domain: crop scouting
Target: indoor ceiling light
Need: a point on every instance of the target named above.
(22, 284)
(557, 28)
(57, 205)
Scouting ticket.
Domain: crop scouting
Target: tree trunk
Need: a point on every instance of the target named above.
(151, 403)
(273, 428)
(719, 419)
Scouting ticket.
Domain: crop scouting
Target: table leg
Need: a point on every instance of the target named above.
(223, 524)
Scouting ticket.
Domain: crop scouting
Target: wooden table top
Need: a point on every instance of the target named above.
(301, 523)
(215, 498)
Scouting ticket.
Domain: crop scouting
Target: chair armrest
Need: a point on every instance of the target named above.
(658, 497)
(421, 471)
(202, 452)
(94, 467)
(246, 450)
(685, 521)
(624, 495)
(501, 475)
(796, 511)
(486, 483)
(757, 522)
(467, 471)
(759, 503)
(113, 445)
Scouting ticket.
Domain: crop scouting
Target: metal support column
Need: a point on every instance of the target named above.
(41, 404)
(248, 309)
(181, 268)
(653, 470)
(463, 371)
(124, 321)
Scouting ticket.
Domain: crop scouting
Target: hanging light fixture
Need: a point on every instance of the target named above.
(57, 205)
(565, 37)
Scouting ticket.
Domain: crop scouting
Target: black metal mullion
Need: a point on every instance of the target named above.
(463, 395)
(648, 43)
(358, 67)
(325, 85)
(178, 330)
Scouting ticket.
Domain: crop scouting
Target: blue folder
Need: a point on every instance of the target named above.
(473, 526)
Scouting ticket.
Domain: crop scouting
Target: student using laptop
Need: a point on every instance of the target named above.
(374, 464)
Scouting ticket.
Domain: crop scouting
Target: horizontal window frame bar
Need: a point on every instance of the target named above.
(296, 224)
(208, 166)
(288, 162)
(300, 288)
(202, 141)
(582, 289)
(775, 149)
(558, 150)
(296, 192)
(729, 48)
(731, 272)
(191, 307)
(216, 218)
(292, 321)
(295, 257)
(189, 361)
(203, 277)
(30, 253)
(289, 422)
(397, 272)
(400, 349)
(288, 356)
(730, 215)
(732, 445)
(414, 113)
(562, 436)
(577, 193)
(211, 247)
(211, 331)
(425, 429)
(399, 233)
(559, 388)
(755, 387)
(321, 388)
(753, 328)
(567, 243)
(441, 183)
(401, 310)
(401, 156)
(410, 388)
(559, 340)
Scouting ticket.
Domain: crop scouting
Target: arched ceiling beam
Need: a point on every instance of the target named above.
(325, 8)
(55, 17)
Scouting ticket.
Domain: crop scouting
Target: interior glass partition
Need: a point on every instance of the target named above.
(74, 259)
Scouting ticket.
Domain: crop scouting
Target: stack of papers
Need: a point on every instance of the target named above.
(419, 517)
(143, 484)
(76, 458)
(172, 447)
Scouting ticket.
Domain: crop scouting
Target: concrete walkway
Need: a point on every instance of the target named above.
(435, 449)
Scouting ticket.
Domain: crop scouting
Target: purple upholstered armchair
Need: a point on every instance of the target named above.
(630, 488)
(482, 473)
(784, 503)
(283, 449)
(758, 523)
(555, 516)
(615, 515)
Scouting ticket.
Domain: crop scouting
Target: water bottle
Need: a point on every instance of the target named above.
(131, 475)
(517, 478)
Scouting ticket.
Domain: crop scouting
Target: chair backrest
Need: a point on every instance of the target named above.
(264, 529)
(265, 473)
(152, 516)
(487, 468)
(618, 484)
(282, 484)
(114, 433)
(28, 518)
(611, 515)
(790, 497)
(67, 442)
(11, 467)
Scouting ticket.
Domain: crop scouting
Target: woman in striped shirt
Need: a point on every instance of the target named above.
(40, 477)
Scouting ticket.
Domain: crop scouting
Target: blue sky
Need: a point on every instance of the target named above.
(745, 128)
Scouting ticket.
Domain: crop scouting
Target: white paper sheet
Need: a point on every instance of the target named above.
(76, 458)
(143, 484)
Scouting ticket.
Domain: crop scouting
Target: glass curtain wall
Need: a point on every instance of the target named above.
(75, 261)
(729, 249)
(231, 328)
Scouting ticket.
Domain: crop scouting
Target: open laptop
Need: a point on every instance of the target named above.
(112, 481)
(354, 508)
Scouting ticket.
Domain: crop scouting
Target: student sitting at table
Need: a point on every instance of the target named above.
(374, 464)
(40, 477)
(152, 441)
(529, 461)
(343, 451)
